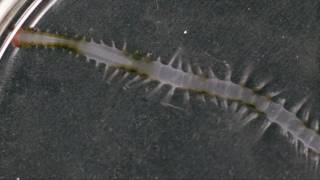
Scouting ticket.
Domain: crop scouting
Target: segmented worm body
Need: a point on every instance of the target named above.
(177, 74)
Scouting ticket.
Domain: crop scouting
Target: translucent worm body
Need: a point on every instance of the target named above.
(204, 83)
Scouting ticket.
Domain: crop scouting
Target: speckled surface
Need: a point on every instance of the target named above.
(59, 120)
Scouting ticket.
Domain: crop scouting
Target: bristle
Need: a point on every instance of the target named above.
(124, 77)
(105, 73)
(246, 73)
(103, 43)
(224, 103)
(155, 90)
(294, 109)
(250, 117)
(211, 74)
(306, 152)
(201, 98)
(306, 114)
(314, 124)
(234, 106)
(167, 98)
(132, 81)
(87, 57)
(141, 83)
(264, 127)
(316, 159)
(262, 84)
(175, 56)
(137, 82)
(274, 93)
(113, 75)
(189, 69)
(113, 44)
(242, 111)
(214, 100)
(198, 70)
(228, 71)
(293, 140)
(282, 101)
(186, 97)
(179, 66)
(124, 47)
(284, 132)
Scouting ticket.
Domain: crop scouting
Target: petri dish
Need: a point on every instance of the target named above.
(60, 119)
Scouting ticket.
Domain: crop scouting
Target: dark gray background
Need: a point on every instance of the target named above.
(60, 120)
